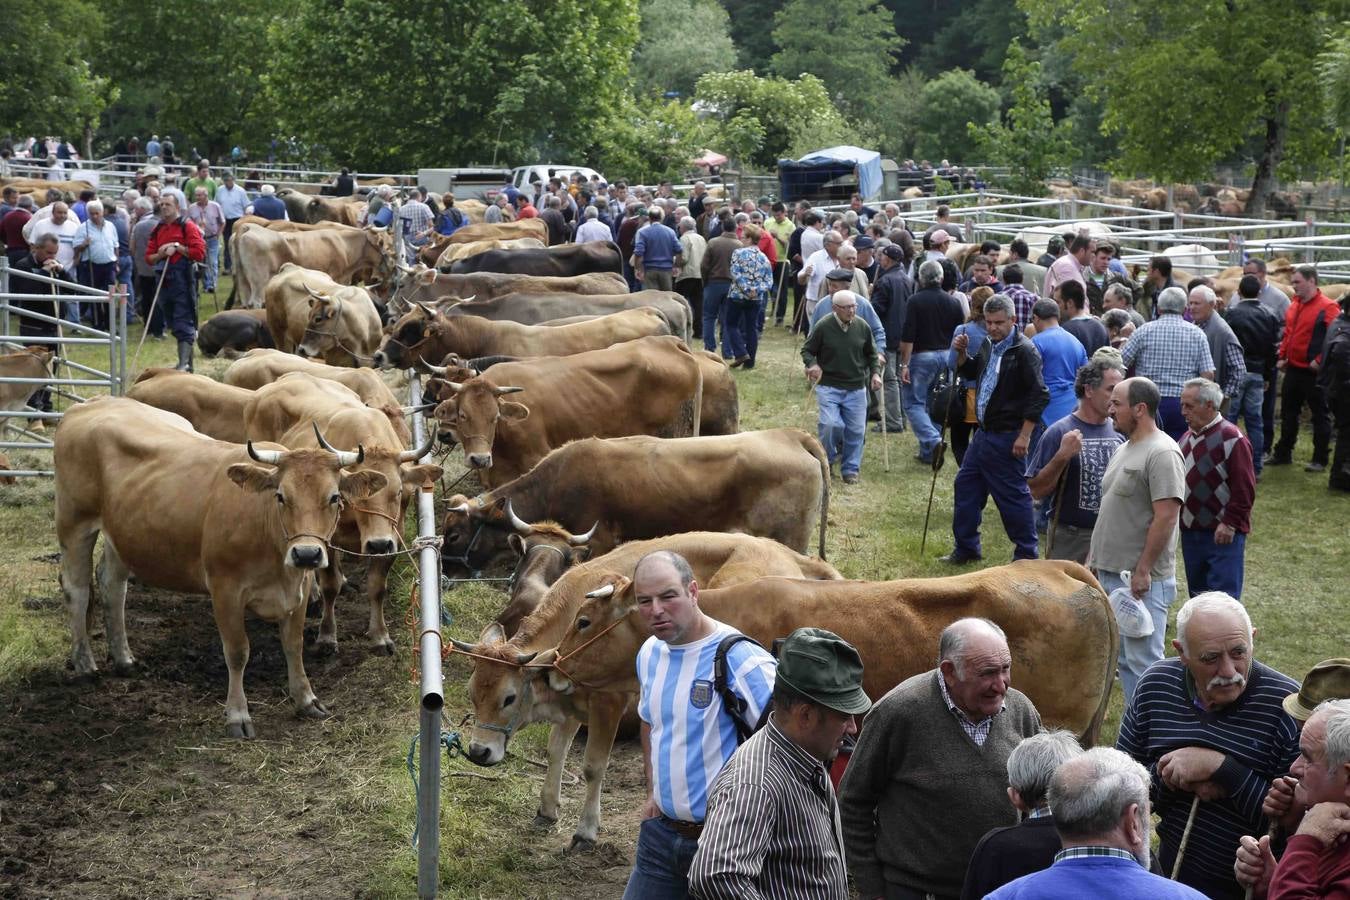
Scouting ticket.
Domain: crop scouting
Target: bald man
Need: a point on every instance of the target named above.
(929, 775)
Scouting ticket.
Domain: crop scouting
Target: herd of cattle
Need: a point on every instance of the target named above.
(597, 435)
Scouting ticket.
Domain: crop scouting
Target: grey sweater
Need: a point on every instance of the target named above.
(918, 793)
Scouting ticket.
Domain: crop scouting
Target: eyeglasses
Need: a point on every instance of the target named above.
(843, 306)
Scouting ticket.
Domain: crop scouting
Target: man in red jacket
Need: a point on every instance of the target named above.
(174, 245)
(1305, 332)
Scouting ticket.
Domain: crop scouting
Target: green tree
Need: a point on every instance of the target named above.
(1333, 69)
(949, 104)
(681, 40)
(758, 119)
(47, 85)
(1180, 104)
(650, 141)
(755, 46)
(1028, 139)
(192, 68)
(850, 45)
(394, 84)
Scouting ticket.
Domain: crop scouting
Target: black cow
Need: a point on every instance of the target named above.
(238, 330)
(563, 260)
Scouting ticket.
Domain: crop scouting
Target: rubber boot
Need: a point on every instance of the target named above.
(184, 356)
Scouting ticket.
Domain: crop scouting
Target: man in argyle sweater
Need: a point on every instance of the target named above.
(1220, 488)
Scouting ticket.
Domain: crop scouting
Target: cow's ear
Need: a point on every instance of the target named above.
(360, 485)
(427, 277)
(516, 543)
(499, 507)
(493, 634)
(254, 478)
(415, 477)
(581, 554)
(512, 410)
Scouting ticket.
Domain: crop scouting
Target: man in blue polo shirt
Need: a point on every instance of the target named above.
(687, 734)
(656, 252)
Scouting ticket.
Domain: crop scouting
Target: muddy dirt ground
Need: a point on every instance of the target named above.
(126, 787)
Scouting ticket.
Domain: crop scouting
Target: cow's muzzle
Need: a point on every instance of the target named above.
(380, 546)
(307, 556)
(480, 460)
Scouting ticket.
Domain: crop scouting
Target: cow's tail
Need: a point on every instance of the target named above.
(1089, 737)
(698, 394)
(687, 335)
(818, 452)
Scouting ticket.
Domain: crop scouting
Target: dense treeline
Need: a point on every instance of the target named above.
(639, 86)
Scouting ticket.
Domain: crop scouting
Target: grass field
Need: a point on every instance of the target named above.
(127, 787)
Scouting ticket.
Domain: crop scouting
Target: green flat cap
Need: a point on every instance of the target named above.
(1329, 680)
(821, 665)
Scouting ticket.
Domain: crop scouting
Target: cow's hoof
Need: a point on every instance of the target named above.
(242, 730)
(315, 710)
(126, 669)
(543, 822)
(383, 647)
(325, 647)
(579, 845)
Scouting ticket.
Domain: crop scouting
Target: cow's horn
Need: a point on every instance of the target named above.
(316, 295)
(345, 457)
(519, 524)
(270, 457)
(467, 299)
(415, 455)
(462, 646)
(507, 390)
(601, 592)
(524, 659)
(581, 540)
(430, 311)
(434, 370)
(462, 509)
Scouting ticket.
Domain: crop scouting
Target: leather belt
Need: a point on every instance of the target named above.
(690, 830)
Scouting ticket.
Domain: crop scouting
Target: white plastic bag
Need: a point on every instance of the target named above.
(1132, 617)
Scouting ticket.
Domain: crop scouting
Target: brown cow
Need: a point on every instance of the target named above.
(500, 231)
(313, 315)
(653, 386)
(214, 409)
(259, 367)
(507, 697)
(249, 533)
(538, 308)
(342, 253)
(30, 362)
(425, 335)
(342, 210)
(419, 284)
(292, 411)
(1046, 607)
(766, 483)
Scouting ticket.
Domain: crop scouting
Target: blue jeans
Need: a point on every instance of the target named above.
(178, 298)
(1248, 404)
(661, 869)
(842, 424)
(923, 368)
(212, 262)
(1169, 417)
(1211, 566)
(742, 329)
(1137, 654)
(989, 468)
(715, 315)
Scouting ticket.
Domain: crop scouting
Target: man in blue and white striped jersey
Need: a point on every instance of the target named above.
(687, 733)
(1212, 729)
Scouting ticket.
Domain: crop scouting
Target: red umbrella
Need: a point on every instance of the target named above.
(709, 159)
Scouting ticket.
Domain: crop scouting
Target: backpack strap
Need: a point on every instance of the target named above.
(734, 704)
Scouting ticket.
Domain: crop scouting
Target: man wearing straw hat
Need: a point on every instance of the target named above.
(1212, 729)
(1100, 801)
(1285, 804)
(773, 819)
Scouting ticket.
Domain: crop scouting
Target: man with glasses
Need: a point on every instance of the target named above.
(174, 245)
(841, 359)
(817, 266)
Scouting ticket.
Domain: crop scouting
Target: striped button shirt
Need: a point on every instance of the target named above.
(1257, 737)
(1169, 351)
(773, 827)
(976, 731)
(692, 736)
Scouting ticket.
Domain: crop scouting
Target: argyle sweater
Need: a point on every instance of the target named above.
(1220, 479)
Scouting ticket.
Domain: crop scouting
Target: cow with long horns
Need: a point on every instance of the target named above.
(311, 314)
(249, 526)
(290, 411)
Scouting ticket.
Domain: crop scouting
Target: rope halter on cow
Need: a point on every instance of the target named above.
(344, 457)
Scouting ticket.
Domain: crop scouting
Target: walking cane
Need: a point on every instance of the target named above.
(1272, 833)
(939, 456)
(1059, 505)
(1185, 838)
(149, 314)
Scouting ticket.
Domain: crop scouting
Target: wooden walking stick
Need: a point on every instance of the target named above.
(939, 456)
(1185, 838)
(1059, 505)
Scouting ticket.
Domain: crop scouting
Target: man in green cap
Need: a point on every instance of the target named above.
(773, 828)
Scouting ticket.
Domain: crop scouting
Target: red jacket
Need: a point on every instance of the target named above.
(769, 247)
(1305, 329)
(180, 232)
(1307, 870)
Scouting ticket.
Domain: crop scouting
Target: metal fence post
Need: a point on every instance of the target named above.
(4, 289)
(432, 687)
(1309, 254)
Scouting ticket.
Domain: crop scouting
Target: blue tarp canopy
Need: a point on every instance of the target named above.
(809, 176)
